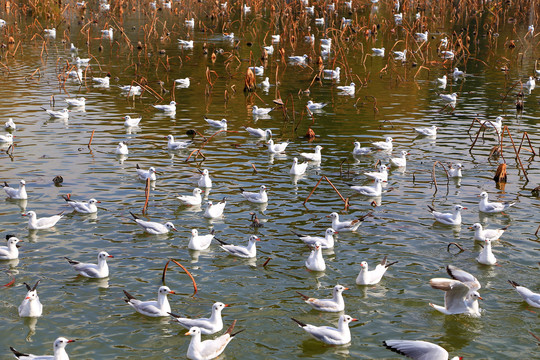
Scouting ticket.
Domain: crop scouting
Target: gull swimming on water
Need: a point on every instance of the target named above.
(11, 251)
(347, 225)
(492, 207)
(59, 349)
(373, 191)
(208, 349)
(195, 199)
(146, 174)
(131, 122)
(260, 197)
(315, 260)
(157, 308)
(298, 169)
(99, 271)
(359, 150)
(481, 234)
(19, 193)
(31, 306)
(153, 227)
(329, 335)
(121, 149)
(170, 108)
(372, 277)
(200, 242)
(249, 251)
(315, 156)
(335, 304)
(213, 211)
(176, 145)
(42, 223)
(326, 242)
(84, 207)
(486, 256)
(453, 218)
(418, 350)
(208, 326)
(530, 297)
(384, 145)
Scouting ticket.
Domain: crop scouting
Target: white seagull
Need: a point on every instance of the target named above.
(378, 52)
(400, 161)
(107, 33)
(213, 211)
(372, 191)
(427, 131)
(195, 199)
(260, 197)
(453, 218)
(347, 225)
(121, 149)
(84, 207)
(170, 108)
(486, 256)
(184, 82)
(19, 193)
(418, 350)
(204, 180)
(492, 207)
(10, 125)
(11, 251)
(495, 125)
(62, 114)
(255, 110)
(249, 251)
(102, 81)
(99, 271)
(315, 106)
(208, 326)
(400, 55)
(330, 335)
(146, 174)
(359, 150)
(42, 223)
(131, 122)
(77, 102)
(222, 124)
(530, 297)
(335, 304)
(186, 44)
(347, 89)
(31, 306)
(7, 139)
(458, 73)
(481, 234)
(461, 295)
(450, 98)
(277, 148)
(176, 145)
(315, 260)
(316, 156)
(367, 277)
(157, 308)
(298, 169)
(455, 170)
(381, 174)
(384, 145)
(442, 81)
(200, 242)
(259, 132)
(59, 349)
(326, 242)
(208, 349)
(153, 227)
(332, 74)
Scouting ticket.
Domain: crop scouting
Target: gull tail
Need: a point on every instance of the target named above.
(303, 297)
(513, 283)
(18, 354)
(173, 314)
(431, 209)
(72, 262)
(134, 216)
(231, 328)
(67, 197)
(221, 241)
(297, 234)
(301, 324)
(6, 184)
(129, 296)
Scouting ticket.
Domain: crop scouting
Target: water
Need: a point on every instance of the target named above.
(263, 299)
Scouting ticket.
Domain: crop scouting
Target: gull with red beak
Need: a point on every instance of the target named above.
(157, 308)
(208, 349)
(99, 271)
(42, 223)
(453, 218)
(347, 225)
(249, 251)
(84, 207)
(316, 156)
(153, 227)
(326, 242)
(367, 277)
(11, 251)
(329, 335)
(146, 174)
(335, 304)
(208, 326)
(371, 191)
(315, 260)
(59, 351)
(31, 306)
(400, 161)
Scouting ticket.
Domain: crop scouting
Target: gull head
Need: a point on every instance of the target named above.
(170, 226)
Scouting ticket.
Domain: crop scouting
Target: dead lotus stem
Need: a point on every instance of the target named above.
(434, 178)
(185, 270)
(91, 138)
(146, 195)
(456, 245)
(525, 135)
(346, 201)
(515, 150)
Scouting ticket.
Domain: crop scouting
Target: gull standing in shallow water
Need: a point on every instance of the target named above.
(335, 304)
(99, 271)
(19, 194)
(59, 351)
(157, 308)
(208, 349)
(31, 306)
(492, 207)
(482, 234)
(11, 251)
(461, 295)
(453, 218)
(530, 297)
(418, 350)
(366, 277)
(326, 242)
(42, 223)
(208, 326)
(330, 335)
(152, 227)
(249, 251)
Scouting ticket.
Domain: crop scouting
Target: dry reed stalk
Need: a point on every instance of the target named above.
(185, 270)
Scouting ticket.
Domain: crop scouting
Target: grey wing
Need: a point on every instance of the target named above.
(323, 333)
(463, 276)
(236, 250)
(456, 291)
(88, 270)
(418, 350)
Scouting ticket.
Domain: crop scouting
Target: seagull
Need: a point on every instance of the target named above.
(176, 145)
(315, 260)
(461, 295)
(486, 256)
(335, 304)
(107, 33)
(11, 251)
(315, 106)
(331, 74)
(171, 108)
(330, 335)
(195, 199)
(347, 89)
(418, 350)
(84, 207)
(276, 38)
(222, 124)
(185, 82)
(265, 84)
(78, 102)
(103, 81)
(453, 218)
(59, 351)
(458, 73)
(259, 132)
(121, 149)
(153, 227)
(214, 211)
(157, 308)
(492, 207)
(444, 42)
(400, 161)
(50, 32)
(398, 17)
(80, 61)
(449, 97)
(269, 49)
(447, 54)
(481, 234)
(131, 90)
(31, 306)
(10, 125)
(455, 170)
(384, 145)
(442, 81)
(495, 125)
(228, 36)
(43, 223)
(427, 131)
(378, 52)
(530, 297)
(373, 191)
(298, 60)
(277, 148)
(255, 110)
(204, 180)
(326, 242)
(186, 44)
(208, 326)
(257, 70)
(381, 174)
(2, 23)
(129, 122)
(189, 22)
(8, 138)
(347, 225)
(146, 174)
(422, 36)
(208, 349)
(359, 150)
(19, 194)
(256, 197)
(400, 55)
(200, 242)
(62, 114)
(366, 277)
(249, 251)
(298, 169)
(531, 83)
(99, 271)
(316, 156)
